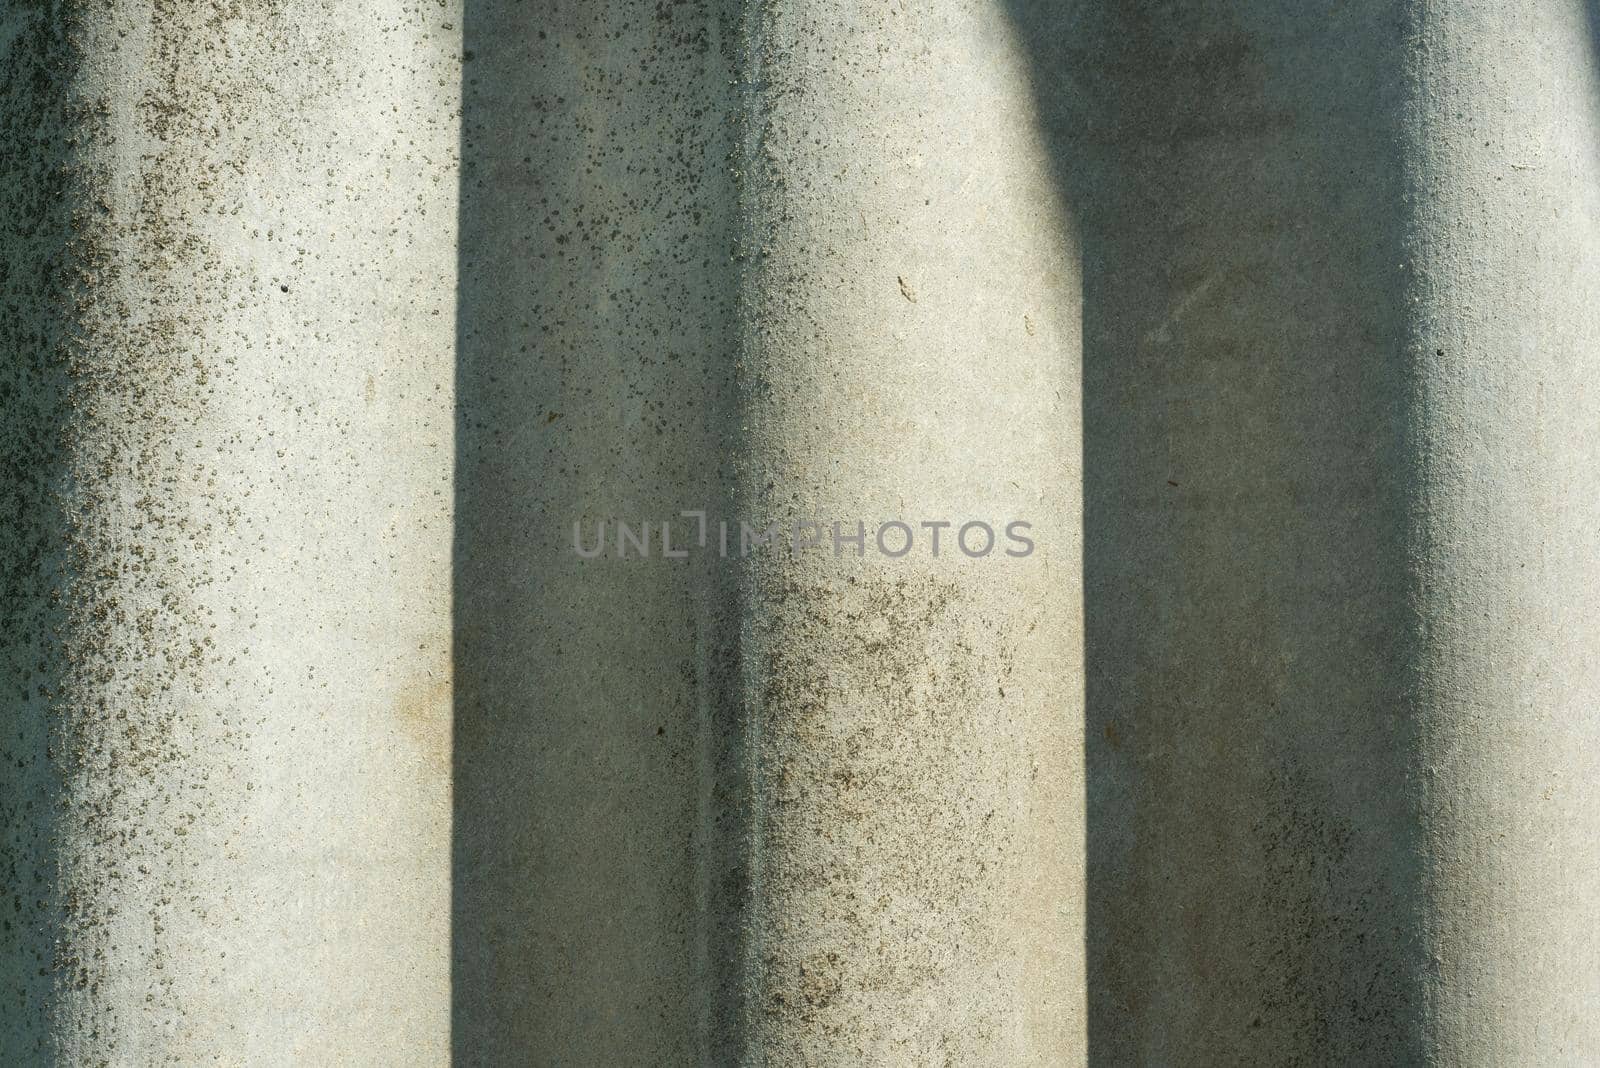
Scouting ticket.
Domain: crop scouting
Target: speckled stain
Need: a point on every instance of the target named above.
(883, 848)
(41, 174)
(172, 714)
(121, 630)
(908, 349)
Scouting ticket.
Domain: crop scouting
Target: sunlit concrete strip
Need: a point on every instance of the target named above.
(909, 352)
(229, 245)
(1503, 128)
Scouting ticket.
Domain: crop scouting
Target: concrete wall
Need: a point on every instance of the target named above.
(325, 323)
(595, 302)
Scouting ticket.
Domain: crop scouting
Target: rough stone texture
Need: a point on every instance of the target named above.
(227, 322)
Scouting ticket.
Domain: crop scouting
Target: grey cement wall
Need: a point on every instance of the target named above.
(1253, 834)
(323, 325)
(595, 296)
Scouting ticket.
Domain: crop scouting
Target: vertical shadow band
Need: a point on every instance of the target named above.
(1236, 177)
(593, 314)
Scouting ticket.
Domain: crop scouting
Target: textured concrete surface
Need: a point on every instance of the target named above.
(1252, 840)
(780, 810)
(1338, 267)
(595, 311)
(322, 324)
(1503, 136)
(229, 234)
(909, 347)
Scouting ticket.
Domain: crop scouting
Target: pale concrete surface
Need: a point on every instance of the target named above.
(1503, 139)
(909, 342)
(229, 249)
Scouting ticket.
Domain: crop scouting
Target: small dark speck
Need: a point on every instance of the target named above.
(552, 417)
(284, 288)
(1171, 483)
(660, 731)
